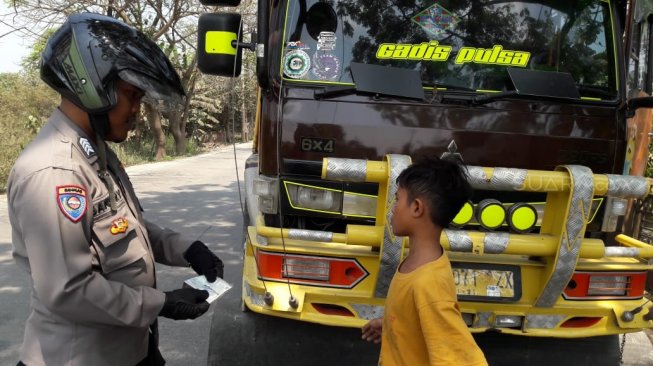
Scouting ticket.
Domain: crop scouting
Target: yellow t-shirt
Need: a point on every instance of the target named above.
(422, 324)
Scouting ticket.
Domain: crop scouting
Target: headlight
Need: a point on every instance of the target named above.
(305, 197)
(329, 200)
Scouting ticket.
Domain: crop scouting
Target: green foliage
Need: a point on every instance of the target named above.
(31, 62)
(26, 105)
(132, 152)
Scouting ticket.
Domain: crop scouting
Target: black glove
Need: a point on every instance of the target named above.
(204, 262)
(185, 303)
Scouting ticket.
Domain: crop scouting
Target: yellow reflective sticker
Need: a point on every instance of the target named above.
(220, 42)
(495, 56)
(430, 51)
(433, 51)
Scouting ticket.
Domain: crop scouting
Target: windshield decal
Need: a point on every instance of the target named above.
(432, 51)
(497, 56)
(326, 41)
(296, 64)
(435, 20)
(298, 45)
(326, 66)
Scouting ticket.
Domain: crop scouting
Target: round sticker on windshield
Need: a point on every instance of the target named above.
(296, 64)
(326, 66)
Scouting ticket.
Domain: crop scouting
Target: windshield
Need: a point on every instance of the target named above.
(454, 44)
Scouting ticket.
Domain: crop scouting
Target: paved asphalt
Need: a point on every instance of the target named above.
(198, 197)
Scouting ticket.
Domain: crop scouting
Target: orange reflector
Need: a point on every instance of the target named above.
(330, 309)
(580, 322)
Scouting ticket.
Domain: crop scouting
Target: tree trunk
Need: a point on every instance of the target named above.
(244, 125)
(154, 118)
(177, 129)
(243, 113)
(139, 129)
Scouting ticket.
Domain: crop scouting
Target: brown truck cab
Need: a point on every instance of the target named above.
(536, 98)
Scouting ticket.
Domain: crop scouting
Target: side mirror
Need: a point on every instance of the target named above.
(636, 103)
(218, 40)
(220, 2)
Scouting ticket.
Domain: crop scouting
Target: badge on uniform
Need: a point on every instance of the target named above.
(86, 146)
(119, 226)
(72, 201)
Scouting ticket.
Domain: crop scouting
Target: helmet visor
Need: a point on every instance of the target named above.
(153, 88)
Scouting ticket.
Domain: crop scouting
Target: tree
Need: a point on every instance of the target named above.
(26, 104)
(172, 24)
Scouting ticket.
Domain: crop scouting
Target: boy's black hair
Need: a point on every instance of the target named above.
(441, 183)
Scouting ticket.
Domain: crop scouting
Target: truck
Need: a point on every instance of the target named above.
(545, 101)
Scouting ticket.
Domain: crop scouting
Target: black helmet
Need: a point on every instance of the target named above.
(84, 57)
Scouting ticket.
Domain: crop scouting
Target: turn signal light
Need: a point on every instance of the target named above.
(309, 269)
(605, 285)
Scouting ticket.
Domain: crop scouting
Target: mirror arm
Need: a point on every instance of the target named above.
(249, 46)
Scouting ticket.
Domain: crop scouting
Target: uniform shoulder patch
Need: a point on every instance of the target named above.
(86, 147)
(72, 201)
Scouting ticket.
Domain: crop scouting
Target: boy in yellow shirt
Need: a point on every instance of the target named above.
(422, 324)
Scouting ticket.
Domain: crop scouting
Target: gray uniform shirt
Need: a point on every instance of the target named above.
(92, 270)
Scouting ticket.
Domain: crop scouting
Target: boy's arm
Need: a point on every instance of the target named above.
(448, 341)
(372, 330)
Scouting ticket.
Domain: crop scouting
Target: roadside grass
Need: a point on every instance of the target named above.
(130, 152)
(133, 152)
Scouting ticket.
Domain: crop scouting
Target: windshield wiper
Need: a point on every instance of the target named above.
(334, 91)
(448, 87)
(379, 80)
(486, 98)
(338, 91)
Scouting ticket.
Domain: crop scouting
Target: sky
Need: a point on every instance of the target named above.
(12, 47)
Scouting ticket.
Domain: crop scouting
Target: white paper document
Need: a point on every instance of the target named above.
(215, 289)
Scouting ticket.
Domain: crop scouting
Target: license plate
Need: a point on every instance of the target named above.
(487, 282)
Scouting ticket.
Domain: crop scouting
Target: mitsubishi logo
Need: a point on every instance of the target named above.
(452, 150)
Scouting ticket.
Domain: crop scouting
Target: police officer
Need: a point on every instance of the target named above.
(77, 225)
